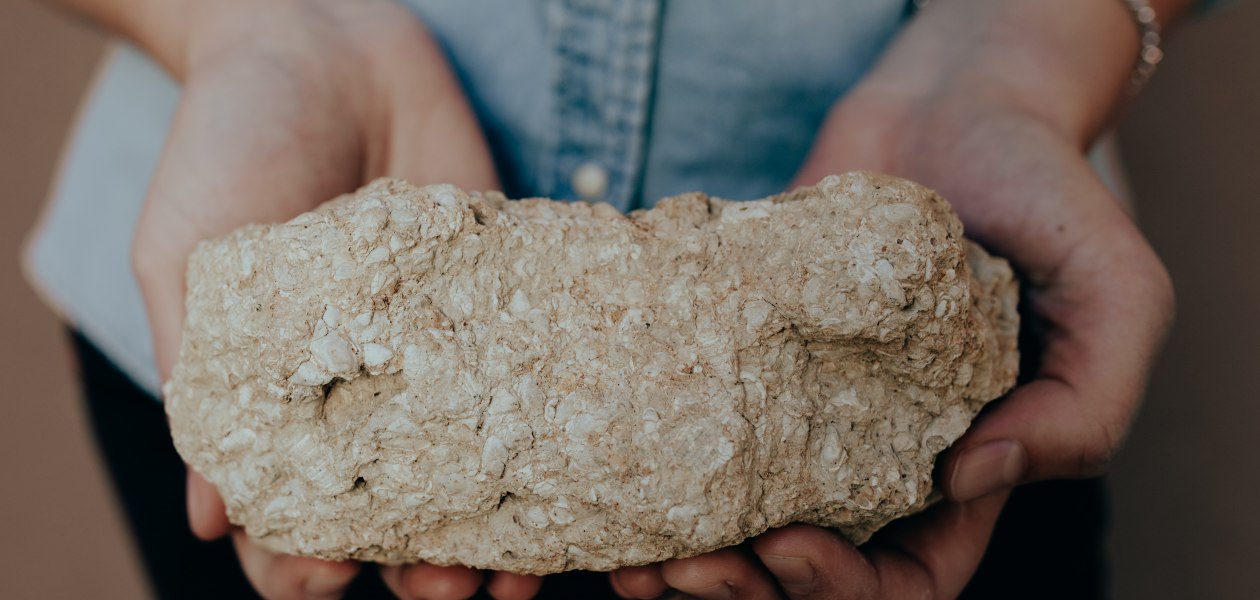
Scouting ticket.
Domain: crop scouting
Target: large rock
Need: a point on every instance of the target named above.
(421, 374)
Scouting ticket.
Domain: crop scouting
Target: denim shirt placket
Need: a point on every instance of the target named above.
(604, 54)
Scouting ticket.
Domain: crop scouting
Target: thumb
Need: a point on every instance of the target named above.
(1103, 321)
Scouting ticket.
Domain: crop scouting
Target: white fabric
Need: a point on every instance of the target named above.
(78, 258)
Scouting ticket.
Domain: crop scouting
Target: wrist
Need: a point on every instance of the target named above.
(213, 28)
(1065, 62)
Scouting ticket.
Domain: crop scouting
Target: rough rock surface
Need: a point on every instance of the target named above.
(423, 374)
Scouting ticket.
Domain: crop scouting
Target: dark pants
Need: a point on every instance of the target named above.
(1048, 544)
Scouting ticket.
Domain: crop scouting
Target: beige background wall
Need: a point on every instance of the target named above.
(1187, 492)
(1187, 488)
(62, 535)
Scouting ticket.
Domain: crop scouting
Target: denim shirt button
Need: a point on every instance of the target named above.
(590, 181)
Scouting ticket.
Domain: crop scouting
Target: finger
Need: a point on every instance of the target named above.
(929, 556)
(938, 551)
(283, 577)
(432, 582)
(207, 516)
(433, 136)
(639, 582)
(810, 562)
(510, 586)
(721, 575)
(1053, 427)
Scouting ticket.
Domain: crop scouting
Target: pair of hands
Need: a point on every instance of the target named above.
(287, 104)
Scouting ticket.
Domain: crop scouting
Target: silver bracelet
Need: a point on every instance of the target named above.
(1150, 54)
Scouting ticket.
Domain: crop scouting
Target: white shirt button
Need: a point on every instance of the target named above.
(590, 181)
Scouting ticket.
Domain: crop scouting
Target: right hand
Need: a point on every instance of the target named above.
(287, 104)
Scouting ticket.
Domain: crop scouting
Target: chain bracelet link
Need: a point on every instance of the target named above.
(1149, 56)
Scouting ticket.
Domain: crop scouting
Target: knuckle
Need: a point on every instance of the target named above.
(275, 586)
(1163, 291)
(1092, 464)
(145, 255)
(1097, 453)
(271, 589)
(1159, 289)
(1166, 297)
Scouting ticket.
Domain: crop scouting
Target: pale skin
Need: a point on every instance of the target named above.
(992, 102)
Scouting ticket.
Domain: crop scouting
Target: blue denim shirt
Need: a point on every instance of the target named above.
(655, 97)
(664, 97)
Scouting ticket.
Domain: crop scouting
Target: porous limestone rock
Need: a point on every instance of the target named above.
(422, 374)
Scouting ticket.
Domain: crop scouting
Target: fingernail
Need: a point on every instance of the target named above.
(795, 574)
(988, 468)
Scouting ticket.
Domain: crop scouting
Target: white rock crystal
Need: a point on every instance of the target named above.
(422, 374)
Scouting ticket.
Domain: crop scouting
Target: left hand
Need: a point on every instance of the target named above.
(952, 106)
(286, 104)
